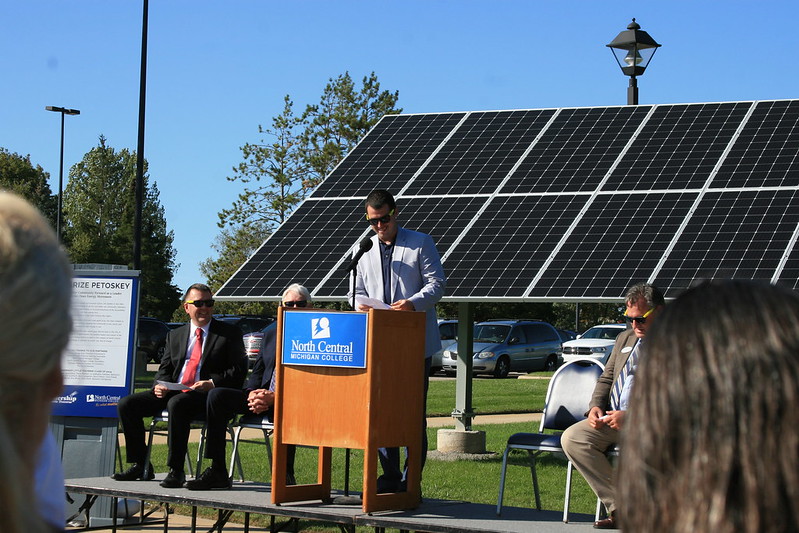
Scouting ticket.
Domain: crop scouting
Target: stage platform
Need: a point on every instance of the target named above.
(248, 497)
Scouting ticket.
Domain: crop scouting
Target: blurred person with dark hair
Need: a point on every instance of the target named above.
(35, 296)
(586, 442)
(713, 441)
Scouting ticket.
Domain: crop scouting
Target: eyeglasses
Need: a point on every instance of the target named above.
(201, 303)
(640, 319)
(383, 220)
(296, 303)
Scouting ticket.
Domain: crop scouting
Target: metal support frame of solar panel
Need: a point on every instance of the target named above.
(569, 204)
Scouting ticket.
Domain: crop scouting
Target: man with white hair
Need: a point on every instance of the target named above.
(258, 397)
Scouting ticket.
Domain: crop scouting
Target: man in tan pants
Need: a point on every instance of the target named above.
(586, 442)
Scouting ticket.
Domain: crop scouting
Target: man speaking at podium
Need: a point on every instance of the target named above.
(404, 271)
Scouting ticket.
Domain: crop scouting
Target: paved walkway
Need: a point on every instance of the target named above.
(432, 422)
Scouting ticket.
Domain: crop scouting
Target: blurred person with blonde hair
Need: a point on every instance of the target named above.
(35, 294)
(712, 443)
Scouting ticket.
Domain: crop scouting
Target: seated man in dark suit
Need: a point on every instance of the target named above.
(257, 397)
(203, 354)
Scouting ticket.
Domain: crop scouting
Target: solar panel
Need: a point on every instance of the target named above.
(568, 204)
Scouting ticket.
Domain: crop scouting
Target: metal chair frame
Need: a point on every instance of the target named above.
(560, 411)
(250, 421)
(198, 422)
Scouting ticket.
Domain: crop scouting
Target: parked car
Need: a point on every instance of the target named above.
(247, 323)
(151, 339)
(504, 345)
(597, 342)
(252, 342)
(567, 335)
(448, 330)
(175, 325)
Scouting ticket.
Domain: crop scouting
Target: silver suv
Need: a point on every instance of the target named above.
(504, 345)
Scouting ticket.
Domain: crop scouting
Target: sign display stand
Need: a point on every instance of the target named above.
(330, 401)
(99, 369)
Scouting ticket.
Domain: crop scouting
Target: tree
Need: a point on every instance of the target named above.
(341, 119)
(274, 174)
(99, 209)
(18, 175)
(234, 246)
(281, 169)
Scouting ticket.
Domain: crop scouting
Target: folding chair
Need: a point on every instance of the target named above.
(250, 421)
(568, 396)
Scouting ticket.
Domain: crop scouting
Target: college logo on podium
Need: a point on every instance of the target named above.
(327, 338)
(320, 328)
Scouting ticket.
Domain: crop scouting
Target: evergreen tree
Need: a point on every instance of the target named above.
(274, 174)
(18, 175)
(99, 208)
(342, 117)
(283, 168)
(234, 246)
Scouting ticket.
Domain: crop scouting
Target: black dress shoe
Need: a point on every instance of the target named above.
(211, 479)
(386, 484)
(134, 473)
(174, 479)
(607, 523)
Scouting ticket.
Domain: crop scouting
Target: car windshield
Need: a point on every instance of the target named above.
(491, 333)
(602, 333)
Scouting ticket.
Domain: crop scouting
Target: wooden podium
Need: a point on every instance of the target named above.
(380, 405)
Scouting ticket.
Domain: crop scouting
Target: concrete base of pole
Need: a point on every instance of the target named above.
(455, 441)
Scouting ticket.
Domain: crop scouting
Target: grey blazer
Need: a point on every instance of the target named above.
(416, 275)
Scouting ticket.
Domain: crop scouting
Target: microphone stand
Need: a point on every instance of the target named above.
(354, 277)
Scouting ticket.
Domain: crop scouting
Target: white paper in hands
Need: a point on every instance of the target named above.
(172, 386)
(371, 302)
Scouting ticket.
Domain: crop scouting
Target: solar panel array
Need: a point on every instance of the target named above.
(569, 204)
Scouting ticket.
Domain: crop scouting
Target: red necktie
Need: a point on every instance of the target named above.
(196, 352)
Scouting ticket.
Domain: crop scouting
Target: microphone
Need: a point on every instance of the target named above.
(364, 246)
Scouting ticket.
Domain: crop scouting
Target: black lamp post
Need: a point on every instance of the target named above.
(633, 50)
(63, 111)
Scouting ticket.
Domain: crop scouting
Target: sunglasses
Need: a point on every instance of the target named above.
(295, 303)
(639, 319)
(201, 303)
(382, 220)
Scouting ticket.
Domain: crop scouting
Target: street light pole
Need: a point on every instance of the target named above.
(63, 111)
(633, 50)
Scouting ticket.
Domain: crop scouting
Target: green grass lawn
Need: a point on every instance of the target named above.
(491, 396)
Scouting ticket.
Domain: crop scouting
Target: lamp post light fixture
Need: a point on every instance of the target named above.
(63, 111)
(633, 50)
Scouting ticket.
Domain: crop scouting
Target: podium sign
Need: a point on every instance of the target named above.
(325, 339)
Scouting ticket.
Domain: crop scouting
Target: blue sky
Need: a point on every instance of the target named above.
(216, 70)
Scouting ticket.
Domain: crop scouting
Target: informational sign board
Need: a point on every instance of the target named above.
(98, 360)
(325, 338)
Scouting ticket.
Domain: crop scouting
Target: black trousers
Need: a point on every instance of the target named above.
(183, 408)
(223, 405)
